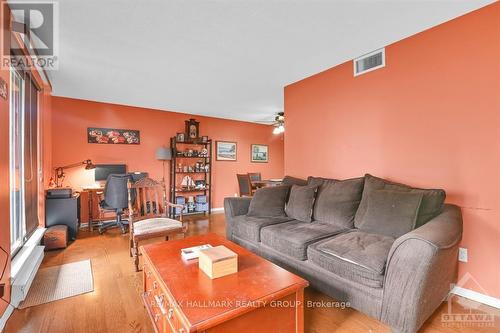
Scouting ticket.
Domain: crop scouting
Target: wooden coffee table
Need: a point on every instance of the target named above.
(180, 298)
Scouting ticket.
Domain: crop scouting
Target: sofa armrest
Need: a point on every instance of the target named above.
(234, 206)
(421, 266)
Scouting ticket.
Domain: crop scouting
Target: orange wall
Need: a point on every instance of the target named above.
(71, 117)
(430, 118)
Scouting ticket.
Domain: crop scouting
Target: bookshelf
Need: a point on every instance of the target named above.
(187, 161)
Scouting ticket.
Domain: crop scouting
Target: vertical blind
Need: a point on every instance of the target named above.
(31, 155)
(24, 165)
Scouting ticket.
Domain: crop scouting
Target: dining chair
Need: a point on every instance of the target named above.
(254, 177)
(148, 215)
(245, 185)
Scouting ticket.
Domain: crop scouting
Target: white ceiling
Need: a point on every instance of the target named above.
(226, 58)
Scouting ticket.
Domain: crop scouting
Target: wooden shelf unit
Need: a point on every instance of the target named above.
(200, 175)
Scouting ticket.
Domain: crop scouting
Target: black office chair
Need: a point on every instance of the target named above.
(116, 200)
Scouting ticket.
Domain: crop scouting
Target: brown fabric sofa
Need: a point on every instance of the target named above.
(386, 248)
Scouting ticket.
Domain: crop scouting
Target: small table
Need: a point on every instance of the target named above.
(179, 297)
(266, 182)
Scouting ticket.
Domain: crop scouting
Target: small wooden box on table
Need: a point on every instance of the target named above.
(180, 298)
(218, 261)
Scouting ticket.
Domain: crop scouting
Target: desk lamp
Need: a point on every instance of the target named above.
(60, 170)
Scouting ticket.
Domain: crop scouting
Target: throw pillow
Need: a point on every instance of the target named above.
(337, 201)
(391, 213)
(300, 203)
(268, 201)
(432, 199)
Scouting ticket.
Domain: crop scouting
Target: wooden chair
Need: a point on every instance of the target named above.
(254, 177)
(148, 211)
(245, 185)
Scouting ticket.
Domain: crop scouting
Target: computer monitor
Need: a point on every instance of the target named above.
(102, 171)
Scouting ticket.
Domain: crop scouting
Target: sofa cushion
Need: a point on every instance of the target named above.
(431, 206)
(292, 238)
(300, 202)
(356, 256)
(269, 202)
(289, 181)
(248, 227)
(391, 213)
(337, 201)
(318, 181)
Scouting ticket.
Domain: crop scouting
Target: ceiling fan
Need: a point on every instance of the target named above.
(278, 123)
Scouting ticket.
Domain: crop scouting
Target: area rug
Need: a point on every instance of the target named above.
(58, 282)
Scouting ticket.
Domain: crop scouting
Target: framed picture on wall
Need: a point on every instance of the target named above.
(180, 137)
(225, 151)
(260, 153)
(113, 136)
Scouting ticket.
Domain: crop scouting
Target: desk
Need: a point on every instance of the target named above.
(89, 205)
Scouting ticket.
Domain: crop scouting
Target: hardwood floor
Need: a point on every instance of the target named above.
(115, 304)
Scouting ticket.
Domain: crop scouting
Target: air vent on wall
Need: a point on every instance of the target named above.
(369, 62)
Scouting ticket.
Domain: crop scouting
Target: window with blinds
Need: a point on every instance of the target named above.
(23, 157)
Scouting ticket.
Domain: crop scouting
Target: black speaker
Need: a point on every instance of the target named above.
(56, 193)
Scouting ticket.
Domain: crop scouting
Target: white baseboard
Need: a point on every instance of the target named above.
(3, 319)
(215, 210)
(475, 296)
(25, 252)
(22, 283)
(24, 266)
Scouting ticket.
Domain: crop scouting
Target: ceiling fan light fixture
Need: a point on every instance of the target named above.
(279, 123)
